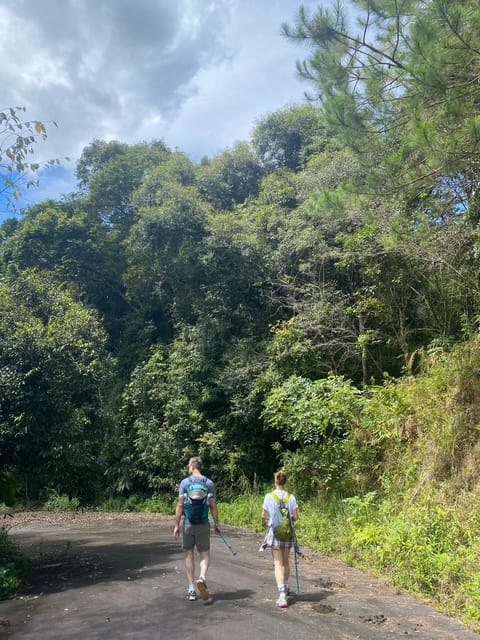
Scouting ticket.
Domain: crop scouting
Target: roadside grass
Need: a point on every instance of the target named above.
(427, 549)
(13, 566)
(157, 503)
(244, 511)
(58, 502)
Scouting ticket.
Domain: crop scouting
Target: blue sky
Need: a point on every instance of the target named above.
(195, 73)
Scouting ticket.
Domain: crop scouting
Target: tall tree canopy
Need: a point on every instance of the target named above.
(286, 138)
(53, 365)
(401, 88)
(259, 288)
(112, 171)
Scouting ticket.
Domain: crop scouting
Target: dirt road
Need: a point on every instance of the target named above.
(121, 576)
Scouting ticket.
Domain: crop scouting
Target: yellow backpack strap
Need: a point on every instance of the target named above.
(285, 498)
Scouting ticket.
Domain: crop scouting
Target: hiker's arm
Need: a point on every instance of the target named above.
(214, 512)
(178, 516)
(265, 516)
(295, 515)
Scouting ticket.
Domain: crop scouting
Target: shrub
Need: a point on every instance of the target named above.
(13, 566)
(57, 502)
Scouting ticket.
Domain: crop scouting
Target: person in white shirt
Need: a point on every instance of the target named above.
(280, 547)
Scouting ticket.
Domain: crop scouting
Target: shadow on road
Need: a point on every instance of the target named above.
(61, 565)
(238, 594)
(311, 597)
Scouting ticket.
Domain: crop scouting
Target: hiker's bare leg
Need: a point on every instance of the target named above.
(204, 562)
(279, 567)
(190, 565)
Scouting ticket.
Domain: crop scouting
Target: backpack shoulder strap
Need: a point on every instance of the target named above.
(285, 498)
(197, 481)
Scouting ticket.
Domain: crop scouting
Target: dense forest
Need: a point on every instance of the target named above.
(309, 297)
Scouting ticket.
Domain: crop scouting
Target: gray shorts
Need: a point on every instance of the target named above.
(196, 535)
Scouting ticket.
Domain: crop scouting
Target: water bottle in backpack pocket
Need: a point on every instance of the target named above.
(196, 503)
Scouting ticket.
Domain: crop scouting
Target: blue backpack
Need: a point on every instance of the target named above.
(195, 503)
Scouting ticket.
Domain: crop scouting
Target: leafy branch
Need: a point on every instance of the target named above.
(18, 138)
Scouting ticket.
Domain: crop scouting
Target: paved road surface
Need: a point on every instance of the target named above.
(124, 579)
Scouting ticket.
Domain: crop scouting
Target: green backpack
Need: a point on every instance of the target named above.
(281, 523)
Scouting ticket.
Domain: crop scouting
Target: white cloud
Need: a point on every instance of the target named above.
(196, 73)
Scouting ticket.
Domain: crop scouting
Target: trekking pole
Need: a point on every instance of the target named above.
(296, 551)
(234, 553)
(296, 570)
(217, 530)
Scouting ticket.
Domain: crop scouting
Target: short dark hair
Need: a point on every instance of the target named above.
(195, 462)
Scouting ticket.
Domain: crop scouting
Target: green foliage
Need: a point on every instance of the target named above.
(234, 296)
(52, 360)
(7, 490)
(156, 503)
(285, 139)
(156, 187)
(13, 566)
(310, 411)
(162, 414)
(230, 177)
(419, 441)
(316, 416)
(279, 191)
(435, 419)
(318, 470)
(18, 138)
(175, 406)
(427, 548)
(112, 171)
(244, 511)
(378, 435)
(57, 502)
(163, 253)
(291, 352)
(78, 249)
(393, 91)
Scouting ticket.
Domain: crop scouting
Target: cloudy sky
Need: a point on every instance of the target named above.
(195, 73)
